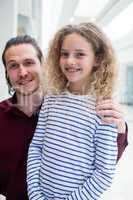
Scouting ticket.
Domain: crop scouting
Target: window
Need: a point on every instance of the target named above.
(122, 24)
(129, 86)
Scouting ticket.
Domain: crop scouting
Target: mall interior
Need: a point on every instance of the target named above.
(42, 18)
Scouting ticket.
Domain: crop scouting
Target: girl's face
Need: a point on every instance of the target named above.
(76, 61)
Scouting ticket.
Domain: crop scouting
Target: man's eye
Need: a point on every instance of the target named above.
(13, 65)
(28, 63)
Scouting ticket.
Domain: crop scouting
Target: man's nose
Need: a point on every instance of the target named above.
(22, 71)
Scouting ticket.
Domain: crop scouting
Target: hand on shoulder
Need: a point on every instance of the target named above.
(111, 112)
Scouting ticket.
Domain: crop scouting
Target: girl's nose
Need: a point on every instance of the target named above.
(71, 60)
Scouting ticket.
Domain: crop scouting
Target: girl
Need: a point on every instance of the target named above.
(73, 153)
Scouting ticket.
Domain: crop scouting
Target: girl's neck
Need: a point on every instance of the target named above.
(77, 89)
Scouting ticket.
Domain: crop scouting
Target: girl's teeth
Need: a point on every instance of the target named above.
(73, 70)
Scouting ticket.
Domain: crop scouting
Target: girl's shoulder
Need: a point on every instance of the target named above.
(50, 98)
(87, 100)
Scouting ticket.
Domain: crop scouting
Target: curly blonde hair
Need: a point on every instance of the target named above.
(102, 77)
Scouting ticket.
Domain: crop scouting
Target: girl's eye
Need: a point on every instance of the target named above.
(80, 54)
(64, 54)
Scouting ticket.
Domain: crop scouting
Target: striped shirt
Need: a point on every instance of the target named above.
(73, 154)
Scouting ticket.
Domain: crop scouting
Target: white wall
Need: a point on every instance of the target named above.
(8, 23)
(15, 14)
(24, 7)
(50, 18)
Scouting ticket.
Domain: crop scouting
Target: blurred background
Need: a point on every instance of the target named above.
(42, 18)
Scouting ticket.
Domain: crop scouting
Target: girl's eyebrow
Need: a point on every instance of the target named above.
(63, 49)
(78, 50)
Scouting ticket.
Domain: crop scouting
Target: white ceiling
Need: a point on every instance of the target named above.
(89, 8)
(102, 12)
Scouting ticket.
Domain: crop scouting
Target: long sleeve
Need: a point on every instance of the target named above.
(34, 160)
(122, 142)
(105, 162)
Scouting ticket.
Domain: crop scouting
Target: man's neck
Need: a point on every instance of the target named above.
(29, 104)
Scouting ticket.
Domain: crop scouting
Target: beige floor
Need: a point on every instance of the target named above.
(2, 197)
(122, 188)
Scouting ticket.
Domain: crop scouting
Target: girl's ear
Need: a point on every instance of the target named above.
(98, 60)
(97, 63)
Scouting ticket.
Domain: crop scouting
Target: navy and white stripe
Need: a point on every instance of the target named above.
(72, 155)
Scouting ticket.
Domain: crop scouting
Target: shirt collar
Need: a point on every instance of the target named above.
(9, 105)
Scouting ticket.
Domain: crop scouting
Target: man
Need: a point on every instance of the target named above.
(22, 59)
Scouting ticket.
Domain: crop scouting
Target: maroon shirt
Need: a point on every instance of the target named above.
(16, 131)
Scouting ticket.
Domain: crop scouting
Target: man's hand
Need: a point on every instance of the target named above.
(110, 112)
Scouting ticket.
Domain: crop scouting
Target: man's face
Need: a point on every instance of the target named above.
(23, 68)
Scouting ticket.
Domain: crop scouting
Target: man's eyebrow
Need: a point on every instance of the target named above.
(29, 59)
(10, 61)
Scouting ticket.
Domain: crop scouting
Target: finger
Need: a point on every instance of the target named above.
(111, 120)
(108, 120)
(109, 106)
(106, 101)
(105, 104)
(109, 113)
(121, 125)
